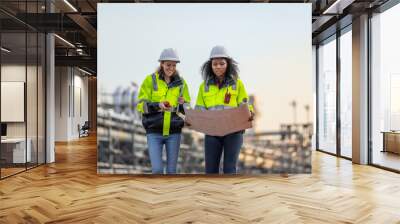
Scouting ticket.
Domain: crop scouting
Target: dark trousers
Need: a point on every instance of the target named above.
(229, 145)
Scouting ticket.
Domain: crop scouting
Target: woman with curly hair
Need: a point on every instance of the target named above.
(221, 89)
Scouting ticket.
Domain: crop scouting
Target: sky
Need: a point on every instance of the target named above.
(271, 43)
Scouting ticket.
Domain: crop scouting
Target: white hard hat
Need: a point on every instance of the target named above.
(169, 54)
(219, 52)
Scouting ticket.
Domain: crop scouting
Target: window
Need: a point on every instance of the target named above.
(385, 89)
(327, 96)
(23, 87)
(346, 93)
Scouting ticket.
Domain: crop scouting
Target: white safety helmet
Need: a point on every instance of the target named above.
(169, 54)
(219, 52)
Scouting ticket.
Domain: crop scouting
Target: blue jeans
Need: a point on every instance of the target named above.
(156, 141)
(229, 145)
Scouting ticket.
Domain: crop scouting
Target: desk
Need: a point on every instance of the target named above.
(391, 142)
(13, 150)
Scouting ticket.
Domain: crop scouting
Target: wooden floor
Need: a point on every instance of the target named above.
(387, 159)
(70, 191)
(10, 171)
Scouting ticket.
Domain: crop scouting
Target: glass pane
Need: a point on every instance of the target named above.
(314, 118)
(386, 89)
(31, 97)
(41, 98)
(13, 86)
(346, 94)
(327, 96)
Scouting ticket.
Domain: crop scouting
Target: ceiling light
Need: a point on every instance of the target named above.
(64, 40)
(5, 50)
(84, 71)
(338, 6)
(70, 5)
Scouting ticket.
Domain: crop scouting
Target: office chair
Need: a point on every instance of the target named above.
(84, 130)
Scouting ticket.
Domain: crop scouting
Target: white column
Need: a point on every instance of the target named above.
(314, 106)
(50, 100)
(360, 90)
(50, 92)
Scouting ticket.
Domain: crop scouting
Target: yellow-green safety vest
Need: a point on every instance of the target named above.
(155, 90)
(210, 97)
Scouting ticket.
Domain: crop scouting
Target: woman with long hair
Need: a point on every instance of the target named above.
(221, 89)
(161, 96)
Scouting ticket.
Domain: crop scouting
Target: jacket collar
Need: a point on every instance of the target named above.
(228, 81)
(176, 80)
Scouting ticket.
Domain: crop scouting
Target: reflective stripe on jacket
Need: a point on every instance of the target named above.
(155, 90)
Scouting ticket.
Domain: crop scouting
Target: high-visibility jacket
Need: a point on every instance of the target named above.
(155, 90)
(211, 97)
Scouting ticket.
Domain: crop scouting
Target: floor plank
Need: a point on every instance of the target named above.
(70, 191)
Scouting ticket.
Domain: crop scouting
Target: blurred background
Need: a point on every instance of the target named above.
(274, 66)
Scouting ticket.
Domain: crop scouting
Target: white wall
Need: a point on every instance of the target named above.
(33, 126)
(61, 103)
(12, 73)
(71, 94)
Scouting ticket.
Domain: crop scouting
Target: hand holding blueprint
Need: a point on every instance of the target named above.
(219, 122)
